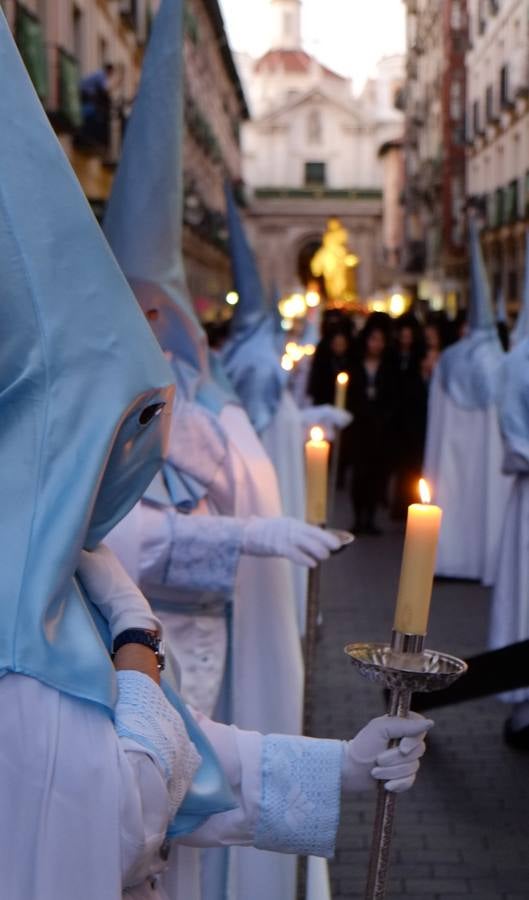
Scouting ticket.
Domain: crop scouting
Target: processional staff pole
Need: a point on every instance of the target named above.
(404, 666)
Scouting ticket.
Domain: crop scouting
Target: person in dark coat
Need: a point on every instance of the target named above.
(334, 354)
(371, 400)
(409, 424)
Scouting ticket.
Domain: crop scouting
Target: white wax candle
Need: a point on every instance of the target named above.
(317, 465)
(418, 566)
(340, 392)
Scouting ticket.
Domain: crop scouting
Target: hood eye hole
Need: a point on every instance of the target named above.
(150, 413)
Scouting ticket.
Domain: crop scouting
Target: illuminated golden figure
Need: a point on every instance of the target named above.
(335, 263)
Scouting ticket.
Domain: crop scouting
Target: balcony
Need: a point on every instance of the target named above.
(314, 193)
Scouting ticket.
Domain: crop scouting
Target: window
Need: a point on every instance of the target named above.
(489, 104)
(102, 52)
(30, 41)
(482, 22)
(505, 93)
(315, 174)
(77, 35)
(314, 127)
(476, 117)
(456, 100)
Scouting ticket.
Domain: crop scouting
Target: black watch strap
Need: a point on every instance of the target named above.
(141, 636)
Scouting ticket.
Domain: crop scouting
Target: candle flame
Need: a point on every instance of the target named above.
(424, 491)
(342, 378)
(317, 434)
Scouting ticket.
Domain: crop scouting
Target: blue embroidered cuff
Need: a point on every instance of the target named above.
(300, 796)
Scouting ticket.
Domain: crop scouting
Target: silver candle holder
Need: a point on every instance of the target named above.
(405, 668)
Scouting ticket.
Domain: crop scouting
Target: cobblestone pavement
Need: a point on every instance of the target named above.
(463, 831)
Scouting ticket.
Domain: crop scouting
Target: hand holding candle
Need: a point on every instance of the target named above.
(317, 464)
(340, 393)
(418, 565)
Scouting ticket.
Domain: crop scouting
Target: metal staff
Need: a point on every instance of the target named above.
(404, 667)
(311, 636)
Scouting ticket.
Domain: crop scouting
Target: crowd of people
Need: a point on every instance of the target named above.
(390, 363)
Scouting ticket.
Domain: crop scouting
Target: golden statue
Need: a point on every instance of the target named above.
(335, 263)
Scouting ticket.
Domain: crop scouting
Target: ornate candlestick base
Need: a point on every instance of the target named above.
(405, 668)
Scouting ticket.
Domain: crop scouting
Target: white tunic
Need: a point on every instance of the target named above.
(283, 440)
(83, 811)
(463, 461)
(267, 664)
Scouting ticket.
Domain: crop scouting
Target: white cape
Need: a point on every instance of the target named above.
(510, 601)
(267, 661)
(283, 441)
(463, 460)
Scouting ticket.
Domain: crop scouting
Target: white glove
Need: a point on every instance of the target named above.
(303, 544)
(328, 417)
(367, 756)
(116, 596)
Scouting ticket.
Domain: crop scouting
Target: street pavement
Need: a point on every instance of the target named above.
(463, 830)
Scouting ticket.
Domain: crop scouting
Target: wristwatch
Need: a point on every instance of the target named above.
(144, 637)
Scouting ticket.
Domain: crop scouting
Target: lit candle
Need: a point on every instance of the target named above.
(418, 565)
(340, 393)
(317, 464)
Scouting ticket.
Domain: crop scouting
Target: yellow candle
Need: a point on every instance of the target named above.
(418, 565)
(340, 392)
(317, 465)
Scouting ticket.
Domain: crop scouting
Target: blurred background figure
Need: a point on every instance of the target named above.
(334, 354)
(409, 423)
(372, 403)
(96, 103)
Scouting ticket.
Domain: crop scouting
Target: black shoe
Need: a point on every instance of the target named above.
(519, 738)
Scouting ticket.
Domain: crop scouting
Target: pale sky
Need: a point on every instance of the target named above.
(349, 36)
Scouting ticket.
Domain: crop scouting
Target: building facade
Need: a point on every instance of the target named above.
(310, 153)
(62, 41)
(498, 135)
(434, 259)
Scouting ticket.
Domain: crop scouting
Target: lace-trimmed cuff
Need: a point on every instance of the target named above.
(205, 553)
(300, 799)
(145, 716)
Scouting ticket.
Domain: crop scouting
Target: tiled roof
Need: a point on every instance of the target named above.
(292, 61)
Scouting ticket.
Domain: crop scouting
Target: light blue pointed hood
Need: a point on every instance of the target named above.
(521, 328)
(84, 401)
(82, 397)
(470, 369)
(143, 220)
(250, 355)
(514, 408)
